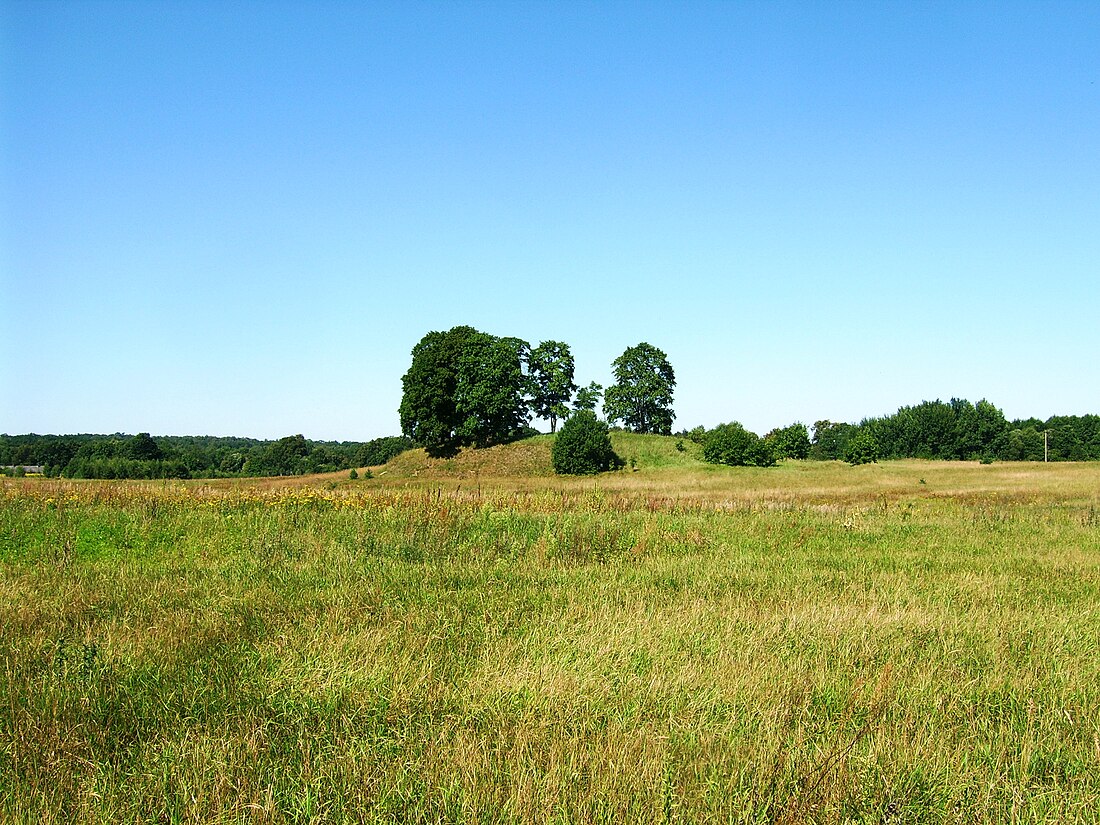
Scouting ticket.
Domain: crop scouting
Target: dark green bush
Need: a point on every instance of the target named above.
(734, 445)
(583, 446)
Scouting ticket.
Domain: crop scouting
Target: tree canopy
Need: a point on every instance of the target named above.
(642, 394)
(789, 442)
(588, 398)
(550, 370)
(734, 445)
(183, 456)
(464, 388)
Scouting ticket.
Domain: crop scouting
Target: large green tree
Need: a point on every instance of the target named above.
(464, 388)
(550, 370)
(642, 394)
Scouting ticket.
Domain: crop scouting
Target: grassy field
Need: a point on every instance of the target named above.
(477, 641)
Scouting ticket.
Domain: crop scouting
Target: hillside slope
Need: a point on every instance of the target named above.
(530, 458)
(527, 458)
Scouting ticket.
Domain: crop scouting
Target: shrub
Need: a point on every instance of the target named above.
(734, 445)
(583, 446)
(789, 442)
(354, 474)
(862, 449)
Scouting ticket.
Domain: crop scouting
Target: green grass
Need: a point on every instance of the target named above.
(812, 643)
(657, 451)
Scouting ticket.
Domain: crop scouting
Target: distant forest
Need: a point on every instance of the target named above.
(176, 456)
(955, 430)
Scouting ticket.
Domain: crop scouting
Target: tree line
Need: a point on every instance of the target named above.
(143, 456)
(956, 430)
(962, 431)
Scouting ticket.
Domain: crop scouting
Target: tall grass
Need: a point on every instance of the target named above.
(586, 651)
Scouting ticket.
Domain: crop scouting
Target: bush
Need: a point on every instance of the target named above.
(789, 442)
(583, 446)
(734, 445)
(862, 449)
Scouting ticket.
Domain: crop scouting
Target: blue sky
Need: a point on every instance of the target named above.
(238, 218)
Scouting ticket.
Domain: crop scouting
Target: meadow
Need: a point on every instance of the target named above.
(463, 641)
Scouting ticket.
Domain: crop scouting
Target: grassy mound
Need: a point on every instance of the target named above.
(527, 458)
(531, 458)
(656, 451)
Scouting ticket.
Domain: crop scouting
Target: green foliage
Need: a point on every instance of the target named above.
(113, 456)
(142, 447)
(428, 410)
(957, 430)
(588, 398)
(862, 449)
(354, 474)
(1023, 444)
(285, 457)
(734, 445)
(464, 388)
(583, 446)
(789, 442)
(642, 396)
(550, 371)
(830, 440)
(380, 450)
(1059, 438)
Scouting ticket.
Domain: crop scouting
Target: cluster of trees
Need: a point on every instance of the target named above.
(142, 456)
(467, 388)
(960, 430)
(734, 445)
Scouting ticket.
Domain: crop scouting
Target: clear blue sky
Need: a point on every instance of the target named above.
(237, 218)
